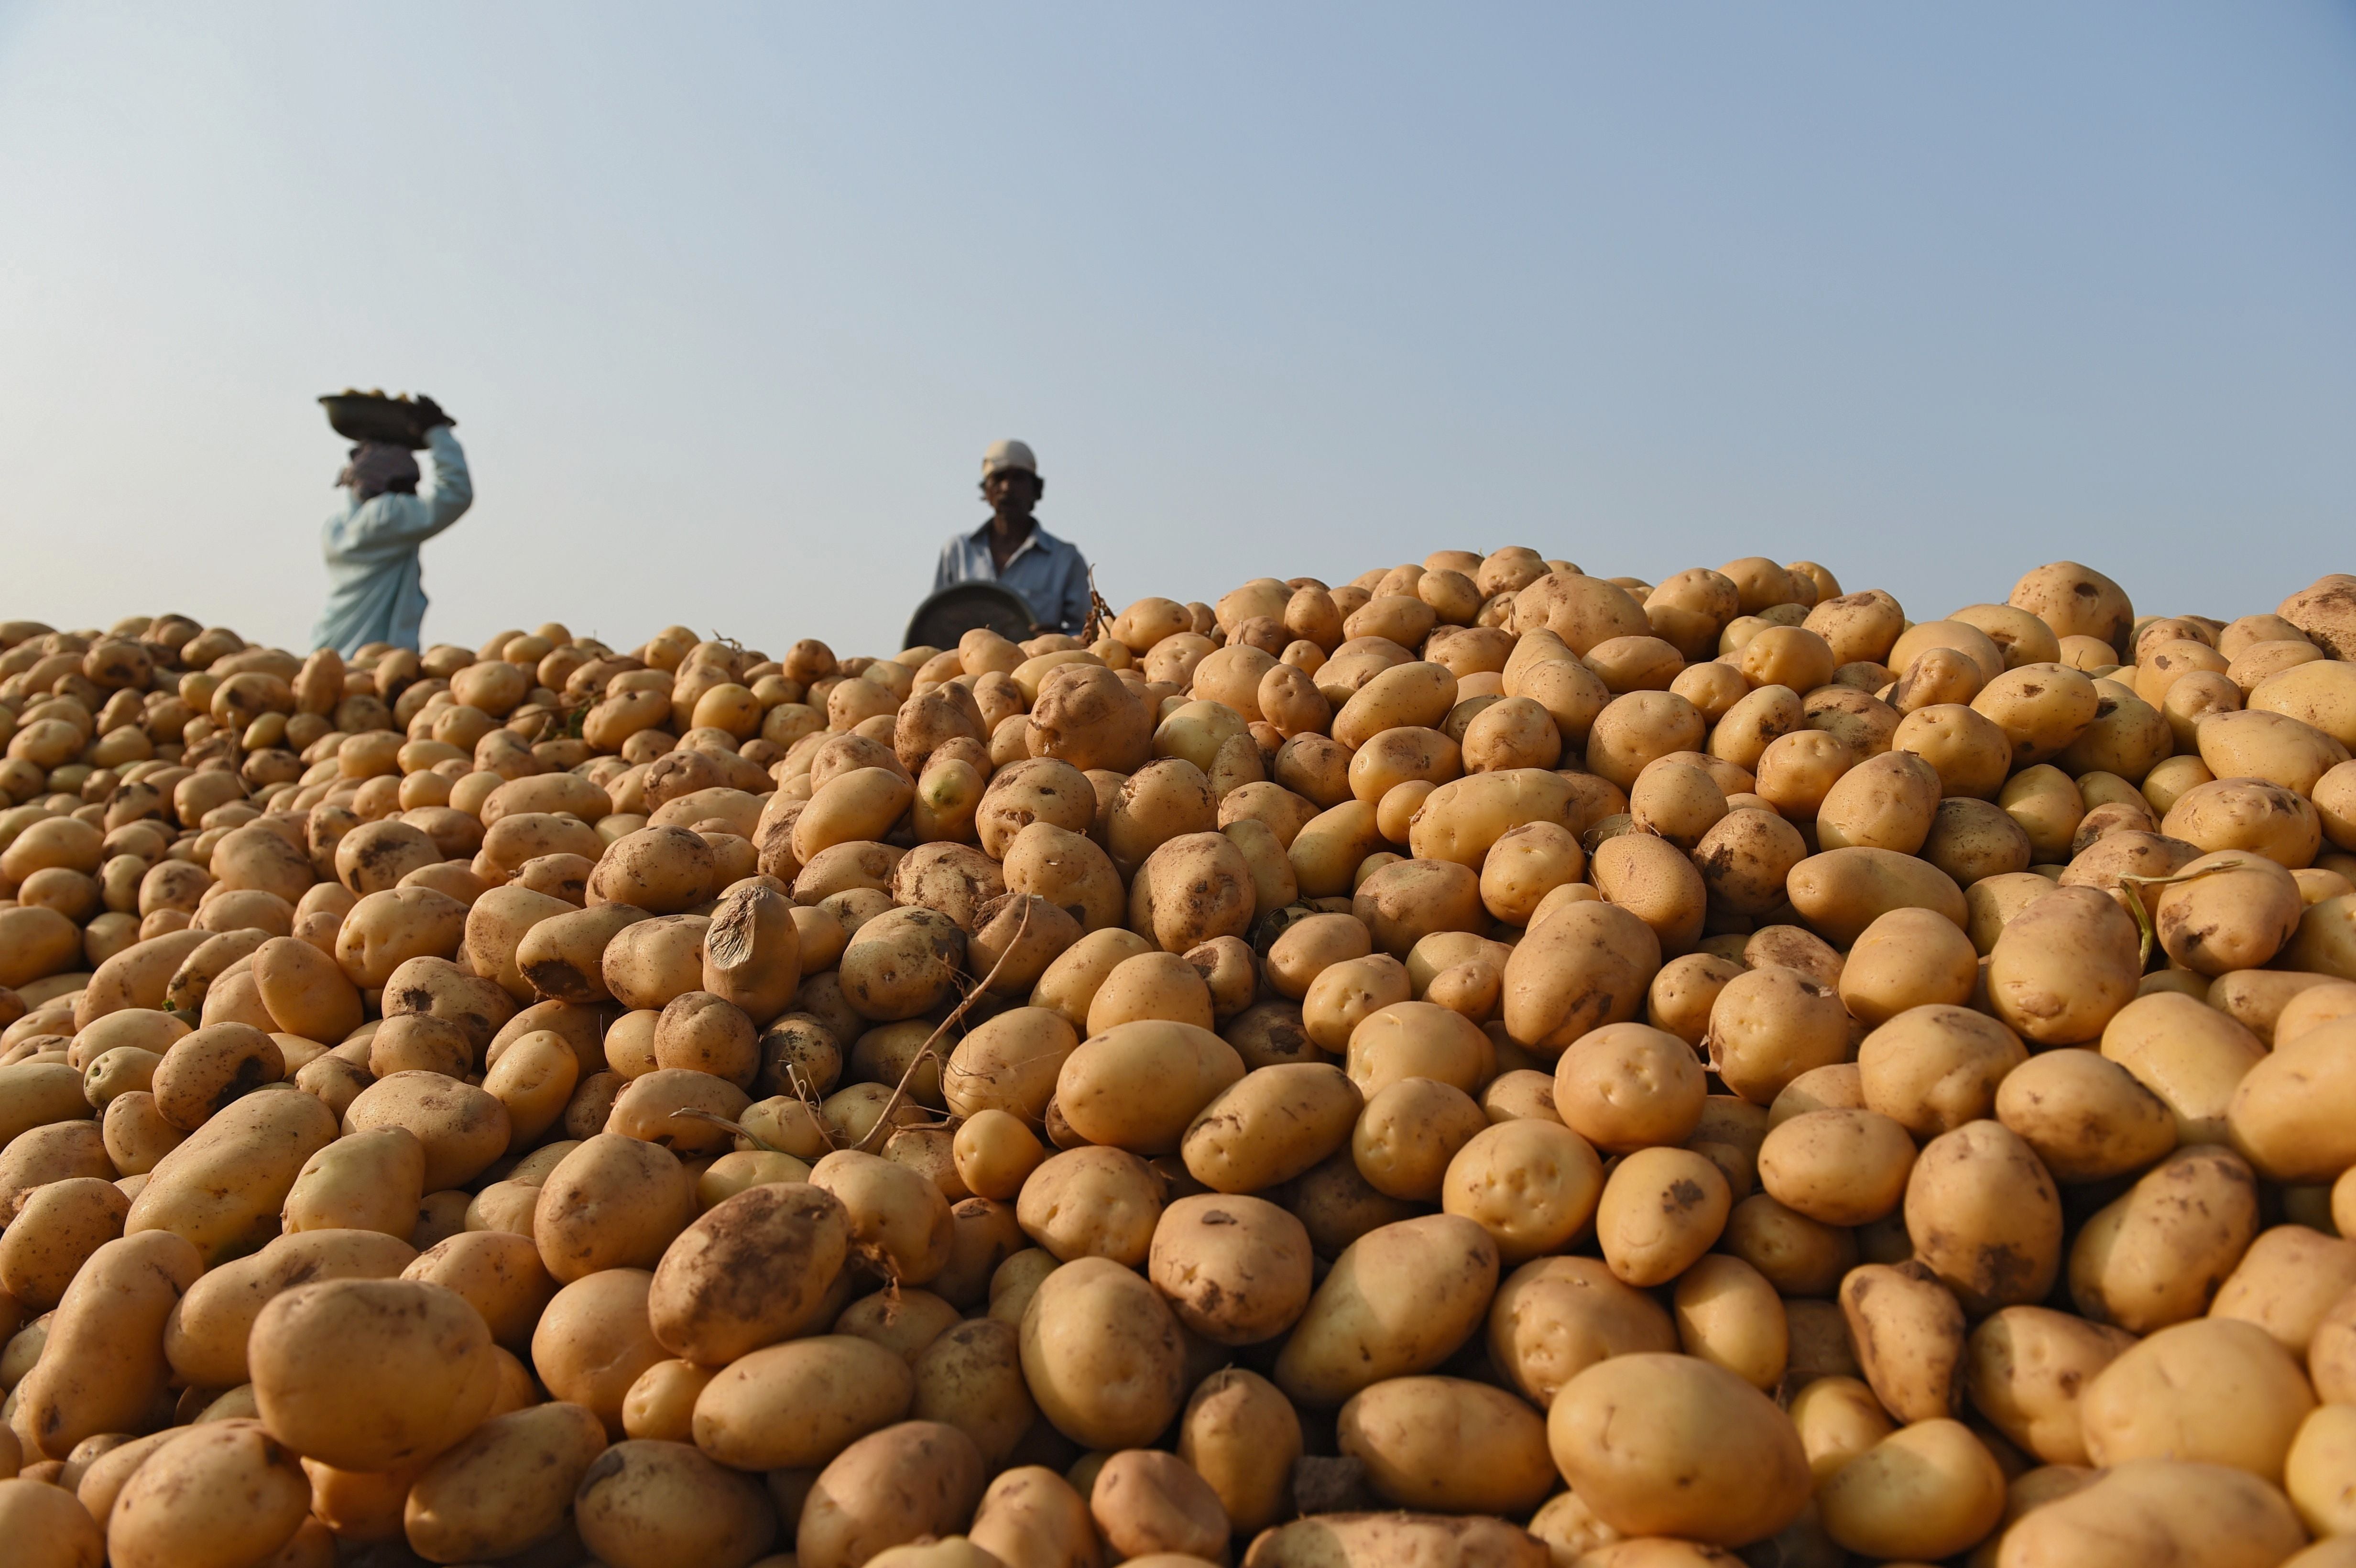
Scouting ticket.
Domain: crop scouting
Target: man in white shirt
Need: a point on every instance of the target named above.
(1013, 550)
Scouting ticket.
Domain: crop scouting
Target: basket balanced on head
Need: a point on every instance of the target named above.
(1481, 1063)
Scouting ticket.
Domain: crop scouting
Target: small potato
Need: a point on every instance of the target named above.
(2025, 1371)
(1241, 1436)
(57, 1228)
(995, 1152)
(2158, 1254)
(1629, 1086)
(1928, 1491)
(1838, 1419)
(2084, 1116)
(366, 1181)
(1092, 1202)
(1524, 865)
(1908, 958)
(1660, 1209)
(1345, 994)
(1620, 1427)
(1745, 857)
(1934, 1069)
(1838, 1167)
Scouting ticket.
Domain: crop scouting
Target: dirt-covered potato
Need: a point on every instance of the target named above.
(1907, 1330)
(2158, 1254)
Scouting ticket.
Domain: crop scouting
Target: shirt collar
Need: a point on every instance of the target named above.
(1038, 538)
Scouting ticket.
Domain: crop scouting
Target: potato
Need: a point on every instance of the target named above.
(439, 988)
(2086, 1117)
(753, 1269)
(1841, 892)
(221, 1189)
(1150, 986)
(1532, 1185)
(1417, 1040)
(802, 1402)
(1240, 1435)
(1907, 959)
(1838, 1419)
(2158, 1254)
(101, 1364)
(463, 1128)
(901, 964)
(1838, 1167)
(1009, 1064)
(2286, 1283)
(1152, 1504)
(2063, 965)
(1447, 1444)
(1728, 1315)
(643, 1504)
(1102, 1354)
(612, 1202)
(899, 1219)
(2214, 1390)
(917, 1480)
(1628, 1086)
(500, 1274)
(1373, 1538)
(506, 1486)
(593, 1341)
(1030, 1517)
(1661, 1209)
(1272, 1124)
(208, 1335)
(1650, 879)
(2025, 1371)
(1927, 1490)
(2287, 1115)
(1139, 1084)
(2192, 1056)
(385, 930)
(367, 1374)
(1986, 1216)
(1908, 1333)
(1092, 1202)
(1584, 967)
(60, 1530)
(1345, 994)
(1398, 1300)
(2151, 1510)
(1622, 1432)
(1768, 1026)
(224, 1492)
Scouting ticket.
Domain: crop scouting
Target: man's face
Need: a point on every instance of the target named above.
(1011, 492)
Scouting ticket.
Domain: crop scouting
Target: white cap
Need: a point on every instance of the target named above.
(1007, 454)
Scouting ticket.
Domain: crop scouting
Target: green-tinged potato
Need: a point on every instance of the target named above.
(2214, 1389)
(500, 1276)
(1839, 892)
(2159, 1254)
(1907, 959)
(1768, 1026)
(223, 1187)
(899, 1219)
(506, 1486)
(1986, 1216)
(1661, 1209)
(751, 1269)
(1581, 968)
(1626, 1432)
(2289, 1114)
(102, 1365)
(1927, 1490)
(801, 1402)
(1271, 1126)
(2026, 1368)
(612, 1202)
(1448, 1444)
(1102, 1354)
(2156, 1510)
(2087, 1117)
(2191, 1055)
(1907, 1330)
(2063, 965)
(368, 1374)
(1398, 1300)
(1838, 1167)
(1363, 1540)
(648, 1504)
(223, 1493)
(1532, 1185)
(207, 1336)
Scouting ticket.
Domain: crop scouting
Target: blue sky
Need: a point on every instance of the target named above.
(729, 300)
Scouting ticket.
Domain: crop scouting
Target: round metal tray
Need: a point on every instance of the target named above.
(961, 607)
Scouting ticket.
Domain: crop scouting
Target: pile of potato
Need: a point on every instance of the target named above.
(1482, 1066)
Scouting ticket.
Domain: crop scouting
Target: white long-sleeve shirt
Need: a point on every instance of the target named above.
(376, 593)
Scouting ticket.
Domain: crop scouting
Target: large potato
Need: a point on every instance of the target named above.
(2159, 1510)
(2213, 1389)
(1532, 1184)
(2063, 965)
(612, 1202)
(1398, 1300)
(1139, 1084)
(650, 1504)
(916, 1481)
(1102, 1355)
(2290, 1116)
(221, 1189)
(368, 1374)
(1274, 1123)
(1986, 1216)
(753, 1269)
(2027, 1367)
(1580, 969)
(1928, 1491)
(1839, 892)
(2158, 1254)
(506, 1486)
(1447, 1444)
(2086, 1116)
(1234, 1269)
(224, 1492)
(1671, 1446)
(101, 1366)
(207, 1336)
(800, 1404)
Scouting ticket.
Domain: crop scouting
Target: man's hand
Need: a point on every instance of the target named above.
(430, 413)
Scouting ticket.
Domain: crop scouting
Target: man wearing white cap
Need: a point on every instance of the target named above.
(1012, 549)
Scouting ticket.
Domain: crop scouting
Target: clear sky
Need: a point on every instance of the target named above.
(728, 300)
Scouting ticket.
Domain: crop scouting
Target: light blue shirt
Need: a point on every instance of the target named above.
(375, 590)
(1049, 574)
